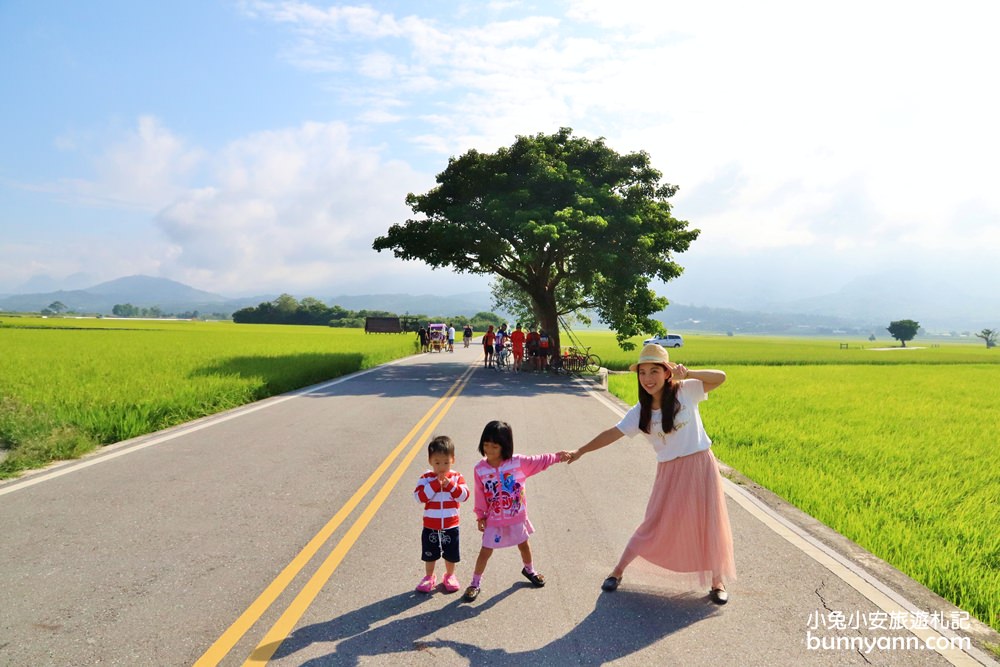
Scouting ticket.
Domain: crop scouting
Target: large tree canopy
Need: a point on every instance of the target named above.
(566, 219)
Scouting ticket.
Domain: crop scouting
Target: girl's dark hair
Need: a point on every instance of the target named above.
(441, 445)
(500, 433)
(669, 397)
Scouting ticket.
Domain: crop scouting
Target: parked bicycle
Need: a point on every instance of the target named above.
(577, 360)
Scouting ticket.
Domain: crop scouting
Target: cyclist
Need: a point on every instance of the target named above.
(500, 342)
(517, 339)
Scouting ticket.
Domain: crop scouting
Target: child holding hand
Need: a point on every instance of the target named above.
(501, 504)
(440, 489)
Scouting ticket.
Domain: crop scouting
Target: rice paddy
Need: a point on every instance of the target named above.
(68, 386)
(895, 449)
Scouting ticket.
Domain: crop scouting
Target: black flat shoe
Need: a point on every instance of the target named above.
(537, 579)
(611, 584)
(471, 593)
(719, 596)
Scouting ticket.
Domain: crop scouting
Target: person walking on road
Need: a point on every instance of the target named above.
(488, 338)
(440, 489)
(501, 506)
(517, 338)
(686, 528)
(451, 338)
(531, 342)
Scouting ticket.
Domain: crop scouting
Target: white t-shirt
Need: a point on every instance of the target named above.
(688, 436)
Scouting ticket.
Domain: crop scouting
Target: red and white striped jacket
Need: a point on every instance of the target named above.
(441, 506)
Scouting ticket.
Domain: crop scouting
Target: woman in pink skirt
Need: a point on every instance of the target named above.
(686, 528)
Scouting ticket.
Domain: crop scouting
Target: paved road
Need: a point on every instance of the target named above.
(287, 532)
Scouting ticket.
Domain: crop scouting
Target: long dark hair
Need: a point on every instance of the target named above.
(500, 433)
(669, 397)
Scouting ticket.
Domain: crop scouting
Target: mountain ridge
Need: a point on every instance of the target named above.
(858, 306)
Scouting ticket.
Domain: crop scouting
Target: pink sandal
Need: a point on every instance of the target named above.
(450, 583)
(427, 584)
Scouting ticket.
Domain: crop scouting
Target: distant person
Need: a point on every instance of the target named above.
(686, 528)
(544, 348)
(422, 335)
(501, 505)
(531, 344)
(440, 489)
(517, 339)
(467, 335)
(451, 338)
(488, 339)
(499, 342)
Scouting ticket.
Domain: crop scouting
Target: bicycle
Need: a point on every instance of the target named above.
(502, 358)
(576, 361)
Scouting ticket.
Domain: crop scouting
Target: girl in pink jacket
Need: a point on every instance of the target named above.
(501, 509)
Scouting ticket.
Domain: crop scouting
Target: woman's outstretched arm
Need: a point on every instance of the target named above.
(603, 439)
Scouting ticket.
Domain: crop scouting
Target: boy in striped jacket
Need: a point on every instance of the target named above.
(440, 489)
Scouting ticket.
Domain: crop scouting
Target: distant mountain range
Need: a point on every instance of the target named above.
(860, 307)
(171, 296)
(141, 291)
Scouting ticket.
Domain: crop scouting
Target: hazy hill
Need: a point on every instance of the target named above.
(862, 306)
(465, 305)
(141, 291)
(940, 303)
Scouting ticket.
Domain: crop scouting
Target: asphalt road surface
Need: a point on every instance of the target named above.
(287, 532)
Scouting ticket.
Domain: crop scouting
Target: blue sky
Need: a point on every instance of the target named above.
(259, 147)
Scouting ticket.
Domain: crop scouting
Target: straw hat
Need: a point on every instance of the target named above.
(651, 354)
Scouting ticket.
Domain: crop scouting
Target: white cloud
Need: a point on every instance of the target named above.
(298, 207)
(143, 168)
(849, 135)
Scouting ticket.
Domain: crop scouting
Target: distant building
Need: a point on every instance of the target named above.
(383, 325)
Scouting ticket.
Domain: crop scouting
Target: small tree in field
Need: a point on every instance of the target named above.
(990, 336)
(903, 330)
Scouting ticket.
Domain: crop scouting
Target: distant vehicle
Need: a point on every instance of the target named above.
(670, 340)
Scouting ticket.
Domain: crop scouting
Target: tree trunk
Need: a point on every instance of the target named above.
(544, 302)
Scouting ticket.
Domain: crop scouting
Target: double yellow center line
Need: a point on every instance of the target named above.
(283, 627)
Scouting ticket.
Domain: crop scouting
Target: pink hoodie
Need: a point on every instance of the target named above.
(500, 497)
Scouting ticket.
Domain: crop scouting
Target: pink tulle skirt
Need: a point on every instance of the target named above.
(686, 528)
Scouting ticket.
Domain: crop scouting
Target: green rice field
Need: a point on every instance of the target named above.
(68, 386)
(895, 449)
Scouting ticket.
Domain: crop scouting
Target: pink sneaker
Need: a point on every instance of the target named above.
(427, 584)
(450, 583)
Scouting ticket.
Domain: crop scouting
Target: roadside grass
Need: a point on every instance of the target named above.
(69, 386)
(899, 457)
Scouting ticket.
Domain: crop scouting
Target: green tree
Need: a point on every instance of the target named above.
(286, 304)
(903, 330)
(57, 307)
(125, 310)
(990, 336)
(571, 223)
